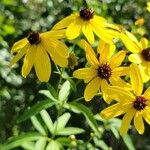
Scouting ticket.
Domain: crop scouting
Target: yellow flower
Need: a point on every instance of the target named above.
(140, 22)
(148, 6)
(87, 22)
(134, 105)
(104, 69)
(140, 53)
(36, 49)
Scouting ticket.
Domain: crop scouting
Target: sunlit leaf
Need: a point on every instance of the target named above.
(47, 94)
(28, 146)
(53, 145)
(40, 144)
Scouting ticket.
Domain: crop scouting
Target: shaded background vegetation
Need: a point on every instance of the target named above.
(17, 19)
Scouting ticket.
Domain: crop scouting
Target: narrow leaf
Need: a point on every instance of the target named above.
(15, 142)
(53, 145)
(64, 91)
(69, 131)
(28, 145)
(40, 144)
(47, 120)
(35, 109)
(52, 91)
(38, 125)
(88, 115)
(47, 94)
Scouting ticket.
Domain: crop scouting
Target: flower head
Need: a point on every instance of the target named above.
(140, 22)
(104, 69)
(134, 105)
(87, 22)
(36, 49)
(140, 53)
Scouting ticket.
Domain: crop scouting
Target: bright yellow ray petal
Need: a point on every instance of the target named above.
(135, 58)
(19, 45)
(65, 22)
(29, 61)
(120, 94)
(42, 64)
(115, 110)
(147, 93)
(144, 43)
(57, 50)
(57, 34)
(105, 95)
(117, 59)
(85, 73)
(74, 29)
(87, 31)
(126, 121)
(120, 71)
(90, 55)
(19, 55)
(98, 21)
(117, 81)
(130, 43)
(101, 46)
(92, 88)
(146, 116)
(138, 122)
(136, 79)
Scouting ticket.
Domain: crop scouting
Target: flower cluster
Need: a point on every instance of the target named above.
(106, 69)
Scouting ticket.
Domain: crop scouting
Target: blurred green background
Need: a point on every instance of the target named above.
(17, 19)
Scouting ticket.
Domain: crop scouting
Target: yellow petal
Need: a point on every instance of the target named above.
(19, 45)
(98, 21)
(135, 58)
(105, 95)
(147, 93)
(120, 94)
(42, 64)
(115, 110)
(29, 60)
(74, 29)
(57, 34)
(101, 46)
(146, 116)
(117, 59)
(138, 122)
(130, 43)
(65, 22)
(90, 55)
(85, 73)
(136, 79)
(92, 88)
(87, 31)
(117, 81)
(19, 55)
(144, 43)
(126, 121)
(120, 71)
(57, 50)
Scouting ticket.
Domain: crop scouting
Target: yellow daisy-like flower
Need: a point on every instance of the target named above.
(140, 53)
(37, 48)
(104, 69)
(148, 6)
(140, 22)
(87, 22)
(134, 105)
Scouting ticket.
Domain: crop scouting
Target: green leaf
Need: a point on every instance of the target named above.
(35, 109)
(47, 94)
(69, 131)
(127, 140)
(72, 84)
(64, 140)
(101, 144)
(52, 91)
(64, 91)
(28, 146)
(40, 144)
(115, 132)
(15, 142)
(38, 125)
(53, 145)
(88, 115)
(61, 122)
(47, 120)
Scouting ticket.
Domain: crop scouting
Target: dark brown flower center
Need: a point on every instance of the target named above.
(33, 38)
(86, 13)
(104, 71)
(140, 103)
(146, 54)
